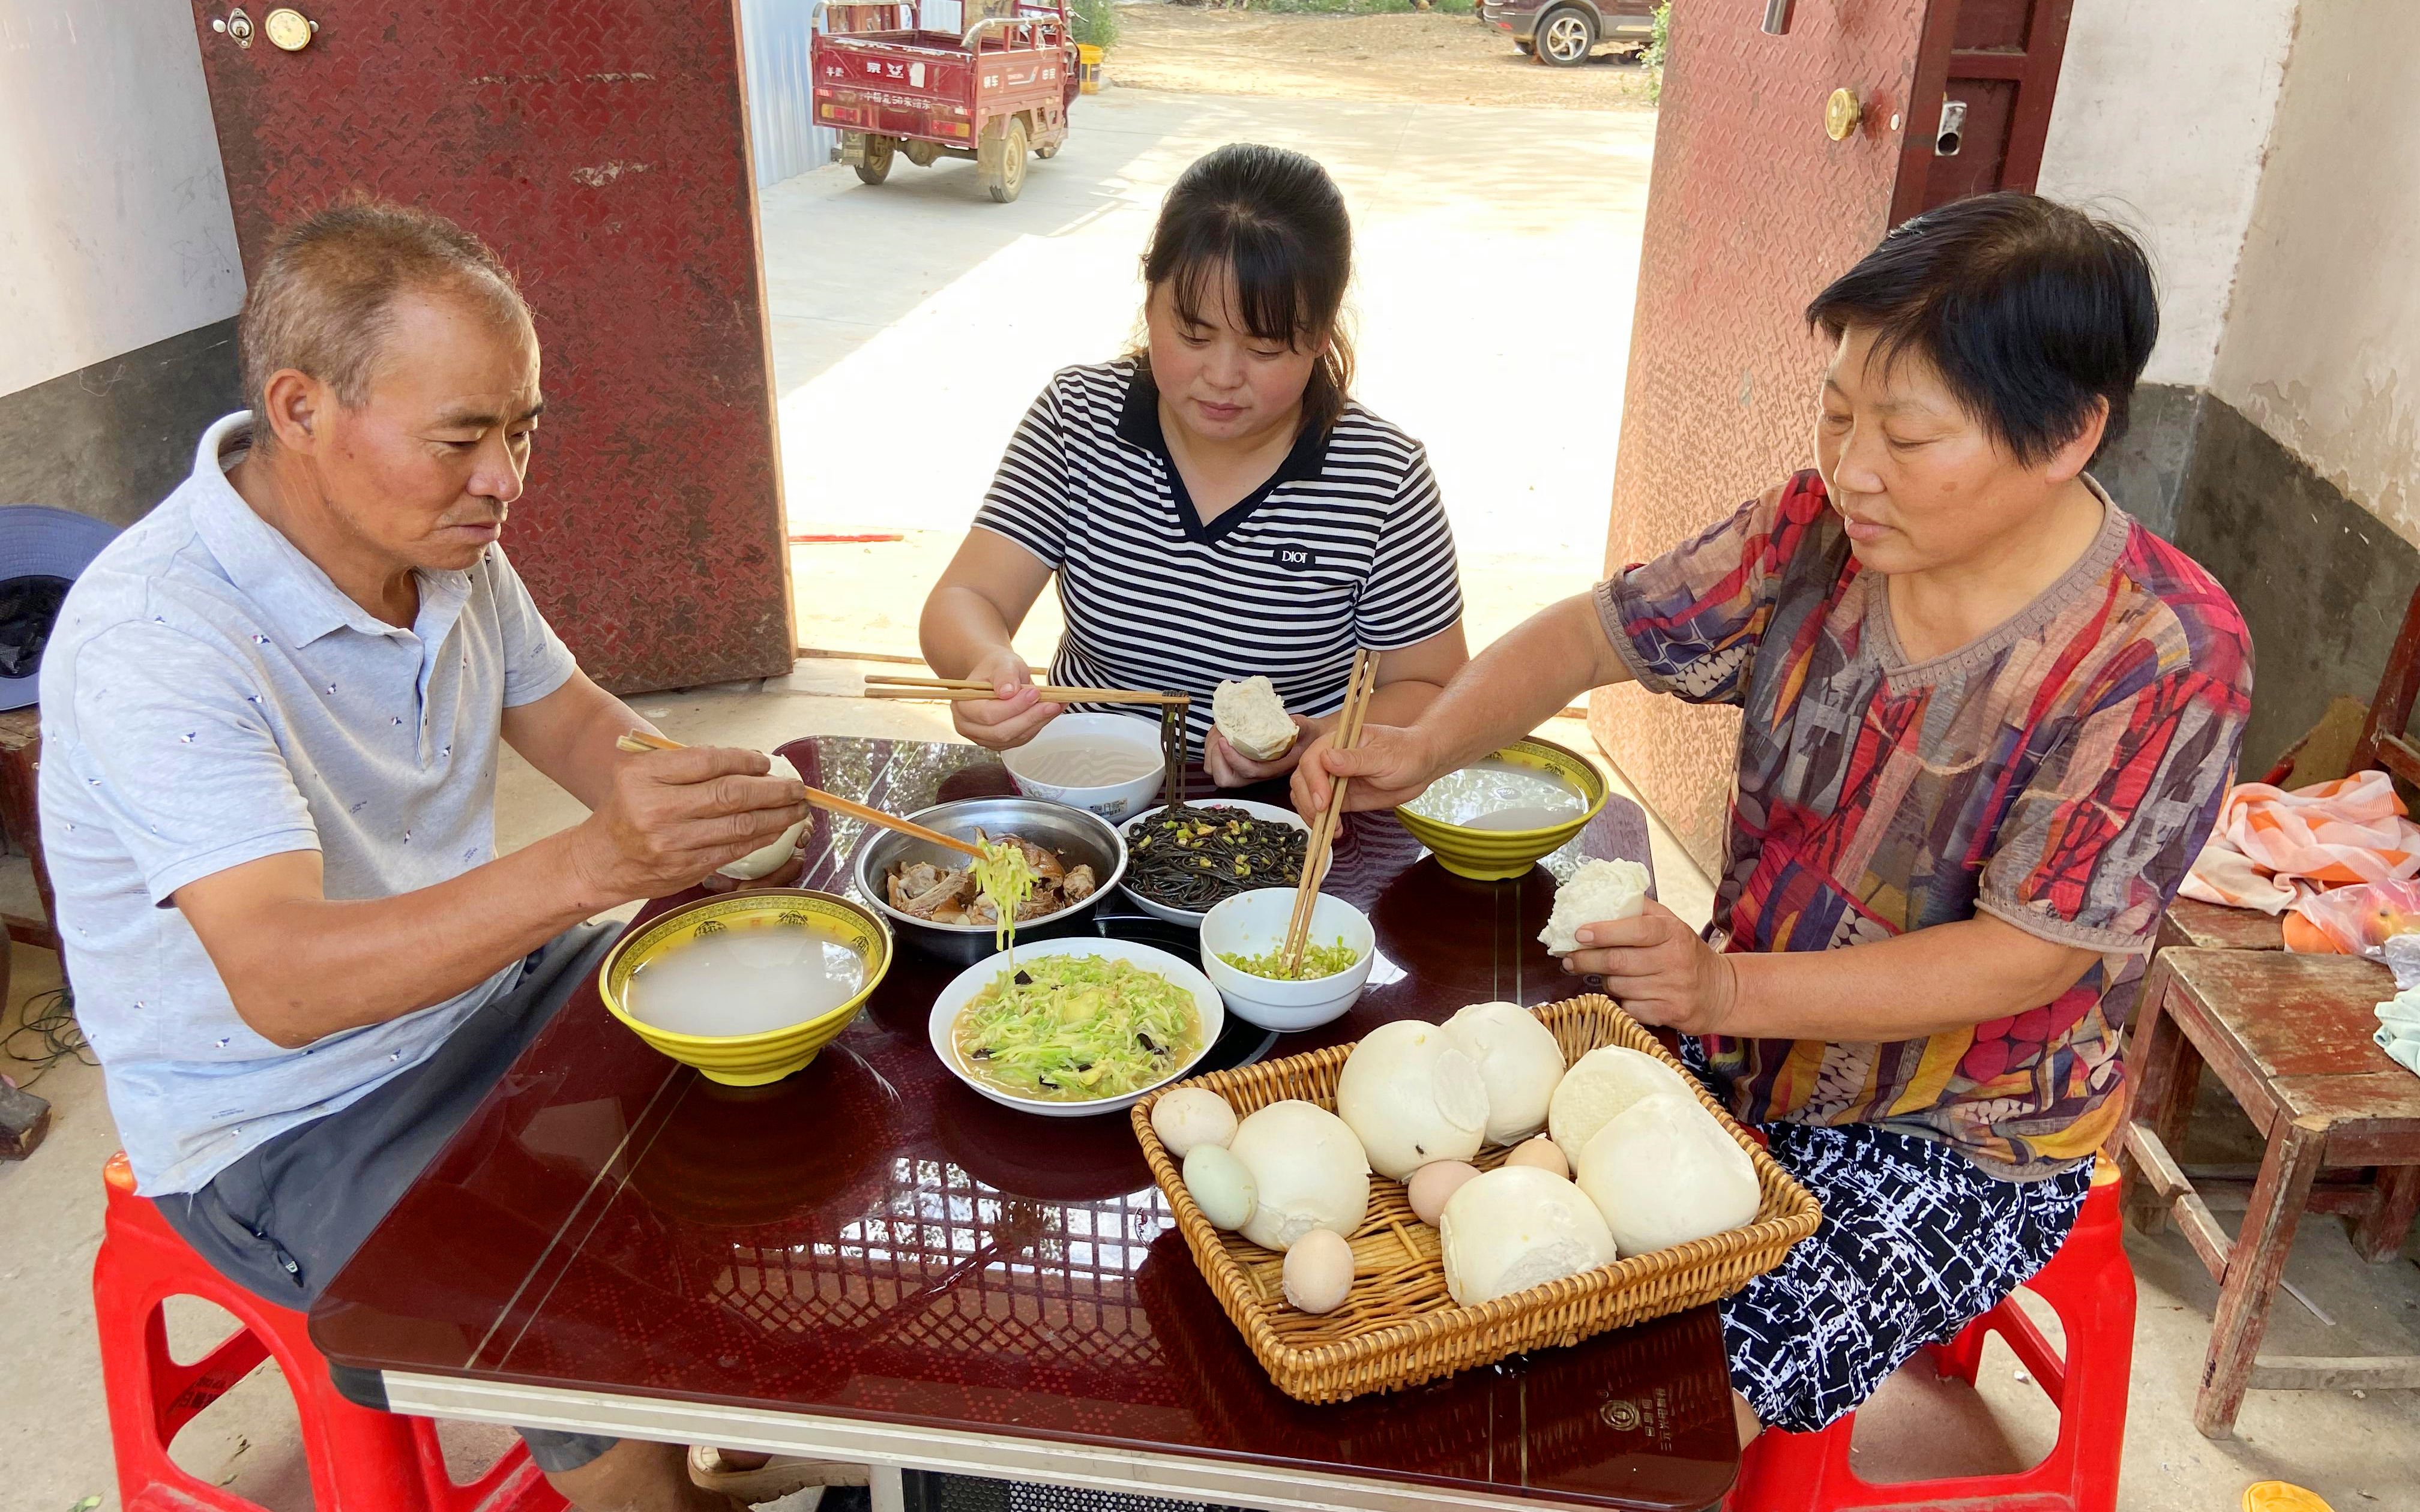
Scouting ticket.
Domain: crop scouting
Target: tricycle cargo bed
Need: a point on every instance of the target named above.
(996, 92)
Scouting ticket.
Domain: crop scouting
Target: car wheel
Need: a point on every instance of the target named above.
(1003, 159)
(1566, 37)
(876, 166)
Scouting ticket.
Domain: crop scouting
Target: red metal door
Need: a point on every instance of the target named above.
(601, 146)
(1752, 207)
(2003, 59)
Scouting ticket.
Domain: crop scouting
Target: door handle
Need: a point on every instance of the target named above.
(1952, 134)
(1776, 17)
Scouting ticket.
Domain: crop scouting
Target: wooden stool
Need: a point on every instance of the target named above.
(2289, 1037)
(20, 761)
(2200, 926)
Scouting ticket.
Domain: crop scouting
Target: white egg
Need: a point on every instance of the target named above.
(1412, 1097)
(1221, 1186)
(1434, 1185)
(1517, 1059)
(1309, 1170)
(1319, 1272)
(1542, 1153)
(1190, 1117)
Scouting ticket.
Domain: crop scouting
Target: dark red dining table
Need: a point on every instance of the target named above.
(868, 1262)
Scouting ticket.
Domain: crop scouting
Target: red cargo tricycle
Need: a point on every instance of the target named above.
(994, 92)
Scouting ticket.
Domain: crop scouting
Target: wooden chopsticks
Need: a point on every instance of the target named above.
(638, 742)
(1364, 682)
(962, 689)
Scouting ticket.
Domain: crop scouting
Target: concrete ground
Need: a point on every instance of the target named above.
(2359, 1452)
(913, 322)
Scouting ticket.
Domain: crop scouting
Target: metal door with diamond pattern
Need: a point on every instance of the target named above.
(1752, 208)
(602, 147)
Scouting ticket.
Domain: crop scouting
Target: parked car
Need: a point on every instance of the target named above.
(1565, 32)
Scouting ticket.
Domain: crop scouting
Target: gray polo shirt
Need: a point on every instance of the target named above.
(210, 698)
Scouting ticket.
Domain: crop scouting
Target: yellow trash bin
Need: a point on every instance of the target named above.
(1088, 68)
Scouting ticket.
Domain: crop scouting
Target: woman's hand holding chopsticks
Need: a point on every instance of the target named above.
(1012, 719)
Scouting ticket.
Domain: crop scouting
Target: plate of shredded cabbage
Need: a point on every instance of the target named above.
(1075, 1027)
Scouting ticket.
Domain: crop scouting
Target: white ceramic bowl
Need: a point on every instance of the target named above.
(963, 988)
(1113, 801)
(1186, 917)
(1252, 924)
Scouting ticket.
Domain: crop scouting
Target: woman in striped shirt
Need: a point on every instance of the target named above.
(1216, 504)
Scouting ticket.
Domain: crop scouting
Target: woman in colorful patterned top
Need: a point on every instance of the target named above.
(1988, 720)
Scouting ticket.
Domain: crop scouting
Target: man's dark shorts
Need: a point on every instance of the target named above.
(284, 1219)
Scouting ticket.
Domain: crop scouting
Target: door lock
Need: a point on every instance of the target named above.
(1952, 135)
(1841, 114)
(289, 29)
(236, 24)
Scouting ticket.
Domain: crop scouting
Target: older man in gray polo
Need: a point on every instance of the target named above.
(272, 715)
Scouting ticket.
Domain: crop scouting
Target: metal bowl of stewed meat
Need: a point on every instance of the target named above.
(910, 880)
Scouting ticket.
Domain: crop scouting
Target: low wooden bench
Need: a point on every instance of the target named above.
(2289, 1038)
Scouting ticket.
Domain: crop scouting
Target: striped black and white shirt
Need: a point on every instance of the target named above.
(1345, 546)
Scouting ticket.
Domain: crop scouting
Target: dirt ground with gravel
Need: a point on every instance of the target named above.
(1419, 58)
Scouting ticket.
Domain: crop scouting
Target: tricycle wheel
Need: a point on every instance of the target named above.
(923, 154)
(1002, 158)
(1046, 154)
(876, 165)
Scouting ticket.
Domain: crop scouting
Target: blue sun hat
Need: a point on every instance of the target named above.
(41, 551)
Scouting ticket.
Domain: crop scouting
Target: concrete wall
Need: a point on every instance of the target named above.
(118, 271)
(2160, 120)
(113, 223)
(2322, 345)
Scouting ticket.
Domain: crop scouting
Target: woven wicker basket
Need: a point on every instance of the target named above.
(1400, 1327)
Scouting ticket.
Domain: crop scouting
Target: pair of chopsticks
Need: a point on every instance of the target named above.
(638, 742)
(1363, 683)
(961, 689)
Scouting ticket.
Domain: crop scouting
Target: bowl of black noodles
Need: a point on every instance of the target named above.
(1073, 836)
(1180, 866)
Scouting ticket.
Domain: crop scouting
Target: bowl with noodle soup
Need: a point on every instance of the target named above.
(1104, 763)
(747, 987)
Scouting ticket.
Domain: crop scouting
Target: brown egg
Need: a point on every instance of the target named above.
(1433, 1183)
(1319, 1272)
(1542, 1153)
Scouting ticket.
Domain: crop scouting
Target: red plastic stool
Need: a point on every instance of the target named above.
(2091, 1288)
(360, 1460)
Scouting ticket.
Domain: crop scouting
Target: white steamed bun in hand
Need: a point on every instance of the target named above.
(1598, 891)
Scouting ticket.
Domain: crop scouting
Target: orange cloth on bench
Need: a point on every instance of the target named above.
(2271, 846)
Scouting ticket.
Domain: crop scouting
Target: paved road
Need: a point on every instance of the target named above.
(913, 322)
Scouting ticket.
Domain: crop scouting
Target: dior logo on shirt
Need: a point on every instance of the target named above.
(1293, 556)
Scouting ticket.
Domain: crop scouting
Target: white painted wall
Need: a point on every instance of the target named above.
(2323, 347)
(2160, 117)
(115, 231)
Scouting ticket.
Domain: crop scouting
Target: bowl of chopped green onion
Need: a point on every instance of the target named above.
(1243, 943)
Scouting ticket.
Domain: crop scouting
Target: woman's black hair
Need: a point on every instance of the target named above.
(2030, 311)
(1277, 221)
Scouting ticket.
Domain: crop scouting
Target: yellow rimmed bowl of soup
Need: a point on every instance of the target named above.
(747, 987)
(1497, 817)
